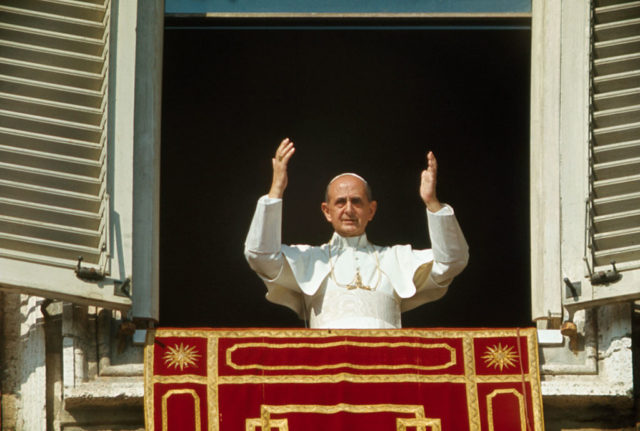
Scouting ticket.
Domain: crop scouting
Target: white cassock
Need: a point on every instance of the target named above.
(320, 283)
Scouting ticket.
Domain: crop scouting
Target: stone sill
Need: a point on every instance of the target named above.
(106, 392)
(587, 393)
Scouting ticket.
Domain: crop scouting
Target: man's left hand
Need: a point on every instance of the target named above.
(428, 184)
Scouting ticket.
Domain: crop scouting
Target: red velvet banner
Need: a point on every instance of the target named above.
(408, 379)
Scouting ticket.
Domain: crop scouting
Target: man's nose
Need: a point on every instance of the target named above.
(349, 207)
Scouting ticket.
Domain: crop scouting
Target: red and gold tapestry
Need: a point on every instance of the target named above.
(409, 379)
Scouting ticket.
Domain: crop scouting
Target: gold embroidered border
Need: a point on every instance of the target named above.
(471, 385)
(521, 410)
(212, 383)
(420, 424)
(324, 333)
(534, 373)
(342, 377)
(507, 378)
(186, 378)
(148, 382)
(196, 407)
(380, 378)
(267, 423)
(451, 362)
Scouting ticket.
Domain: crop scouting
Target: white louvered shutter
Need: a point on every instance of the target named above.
(614, 204)
(53, 134)
(616, 134)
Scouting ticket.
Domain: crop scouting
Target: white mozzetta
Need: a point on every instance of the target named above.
(319, 282)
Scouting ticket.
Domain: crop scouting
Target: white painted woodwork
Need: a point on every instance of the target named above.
(615, 217)
(53, 136)
(546, 301)
(59, 147)
(585, 152)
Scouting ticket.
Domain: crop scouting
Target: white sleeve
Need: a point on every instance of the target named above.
(263, 243)
(263, 250)
(446, 259)
(450, 249)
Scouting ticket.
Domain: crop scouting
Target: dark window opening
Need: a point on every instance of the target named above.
(368, 100)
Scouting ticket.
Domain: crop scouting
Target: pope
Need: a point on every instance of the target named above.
(349, 282)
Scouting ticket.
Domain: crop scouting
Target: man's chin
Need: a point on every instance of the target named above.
(353, 231)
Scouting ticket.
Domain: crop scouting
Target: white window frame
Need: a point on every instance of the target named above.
(559, 162)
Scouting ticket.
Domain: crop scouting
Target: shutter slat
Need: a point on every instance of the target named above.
(617, 81)
(617, 64)
(617, 30)
(51, 126)
(50, 92)
(617, 99)
(71, 9)
(617, 204)
(48, 248)
(51, 109)
(50, 197)
(617, 12)
(618, 255)
(616, 169)
(47, 143)
(66, 42)
(616, 47)
(57, 180)
(616, 186)
(618, 239)
(616, 116)
(51, 57)
(612, 152)
(599, 3)
(50, 214)
(618, 221)
(52, 74)
(52, 22)
(48, 161)
(50, 232)
(617, 134)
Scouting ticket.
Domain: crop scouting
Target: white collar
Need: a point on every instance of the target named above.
(340, 241)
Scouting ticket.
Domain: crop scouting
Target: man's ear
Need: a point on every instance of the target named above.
(373, 206)
(325, 211)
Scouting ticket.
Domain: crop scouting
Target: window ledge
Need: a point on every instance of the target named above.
(106, 392)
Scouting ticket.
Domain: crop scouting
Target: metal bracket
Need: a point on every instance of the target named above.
(572, 289)
(87, 274)
(604, 277)
(123, 288)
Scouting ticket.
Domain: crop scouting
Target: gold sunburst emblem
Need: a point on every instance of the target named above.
(181, 356)
(500, 356)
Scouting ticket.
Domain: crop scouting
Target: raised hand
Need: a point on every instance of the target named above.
(279, 162)
(428, 184)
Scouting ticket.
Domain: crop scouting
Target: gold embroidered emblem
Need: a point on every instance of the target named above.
(500, 356)
(181, 356)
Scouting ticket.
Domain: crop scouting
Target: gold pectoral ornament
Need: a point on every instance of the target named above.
(356, 282)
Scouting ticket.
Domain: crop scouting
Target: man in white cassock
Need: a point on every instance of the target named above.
(350, 282)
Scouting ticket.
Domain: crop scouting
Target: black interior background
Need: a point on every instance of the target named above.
(369, 100)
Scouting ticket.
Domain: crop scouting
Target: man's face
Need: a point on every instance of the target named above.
(347, 208)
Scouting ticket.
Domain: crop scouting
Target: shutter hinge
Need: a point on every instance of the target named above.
(604, 277)
(88, 274)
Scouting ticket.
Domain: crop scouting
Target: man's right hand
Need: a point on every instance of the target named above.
(279, 162)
